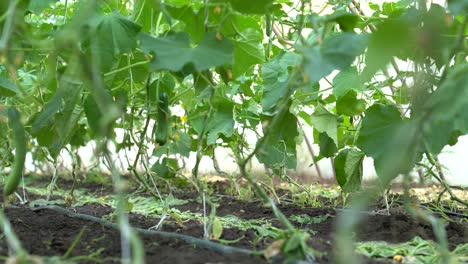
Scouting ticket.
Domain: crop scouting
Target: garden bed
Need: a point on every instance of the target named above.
(47, 232)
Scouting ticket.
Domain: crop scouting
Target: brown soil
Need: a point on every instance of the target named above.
(45, 232)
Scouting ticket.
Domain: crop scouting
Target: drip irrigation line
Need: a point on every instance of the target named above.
(188, 239)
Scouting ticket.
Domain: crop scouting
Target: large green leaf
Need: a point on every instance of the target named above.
(279, 147)
(249, 7)
(145, 13)
(347, 21)
(180, 144)
(390, 39)
(447, 105)
(248, 51)
(276, 77)
(175, 51)
(349, 105)
(55, 124)
(193, 20)
(165, 168)
(346, 81)
(327, 145)
(337, 52)
(348, 169)
(111, 35)
(378, 126)
(221, 121)
(391, 141)
(325, 122)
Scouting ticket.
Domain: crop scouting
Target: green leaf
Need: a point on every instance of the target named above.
(145, 12)
(279, 147)
(347, 21)
(392, 142)
(379, 53)
(292, 243)
(346, 81)
(251, 7)
(193, 20)
(348, 169)
(336, 53)
(379, 124)
(339, 166)
(325, 122)
(180, 144)
(221, 121)
(173, 52)
(327, 145)
(55, 124)
(216, 229)
(276, 77)
(165, 168)
(248, 51)
(7, 87)
(111, 35)
(391, 9)
(448, 105)
(349, 105)
(138, 73)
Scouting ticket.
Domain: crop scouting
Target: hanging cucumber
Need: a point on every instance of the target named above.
(19, 142)
(268, 25)
(162, 132)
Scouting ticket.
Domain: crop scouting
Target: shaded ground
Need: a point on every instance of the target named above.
(47, 233)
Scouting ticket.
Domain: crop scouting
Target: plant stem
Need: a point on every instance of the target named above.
(311, 150)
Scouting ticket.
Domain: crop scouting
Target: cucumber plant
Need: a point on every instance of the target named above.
(234, 68)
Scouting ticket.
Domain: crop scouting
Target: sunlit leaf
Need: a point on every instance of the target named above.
(276, 77)
(325, 122)
(175, 51)
(248, 51)
(336, 53)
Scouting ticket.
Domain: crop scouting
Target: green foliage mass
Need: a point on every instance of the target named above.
(78, 70)
(231, 64)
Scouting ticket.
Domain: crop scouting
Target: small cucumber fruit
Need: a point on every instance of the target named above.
(162, 132)
(19, 142)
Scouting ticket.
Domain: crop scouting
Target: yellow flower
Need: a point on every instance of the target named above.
(398, 258)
